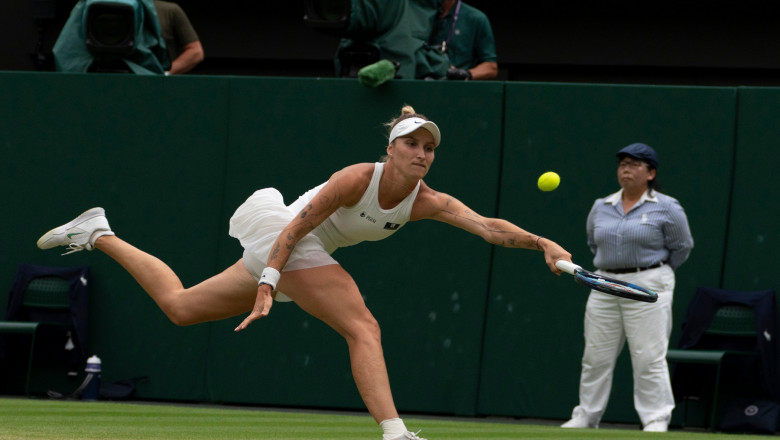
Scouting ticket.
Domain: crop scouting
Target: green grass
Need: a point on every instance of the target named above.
(55, 420)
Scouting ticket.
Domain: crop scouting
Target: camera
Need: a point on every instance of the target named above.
(112, 36)
(110, 26)
(372, 30)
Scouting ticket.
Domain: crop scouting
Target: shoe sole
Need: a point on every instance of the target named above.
(84, 216)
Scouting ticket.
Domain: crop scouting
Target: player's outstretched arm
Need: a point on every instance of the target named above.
(442, 207)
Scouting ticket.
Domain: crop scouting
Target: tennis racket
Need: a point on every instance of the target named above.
(608, 285)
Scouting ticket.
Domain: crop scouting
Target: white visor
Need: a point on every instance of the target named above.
(411, 124)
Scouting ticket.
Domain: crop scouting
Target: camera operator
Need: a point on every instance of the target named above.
(184, 47)
(465, 35)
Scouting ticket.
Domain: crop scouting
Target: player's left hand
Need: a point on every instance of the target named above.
(262, 306)
(552, 253)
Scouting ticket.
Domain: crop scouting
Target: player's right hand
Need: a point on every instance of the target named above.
(262, 307)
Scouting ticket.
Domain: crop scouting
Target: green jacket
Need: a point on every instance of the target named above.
(400, 30)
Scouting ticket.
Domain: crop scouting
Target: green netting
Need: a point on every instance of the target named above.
(47, 292)
(733, 319)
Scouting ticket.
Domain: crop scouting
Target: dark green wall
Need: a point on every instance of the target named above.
(754, 234)
(467, 329)
(150, 152)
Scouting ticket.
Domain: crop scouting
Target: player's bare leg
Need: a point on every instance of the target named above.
(330, 294)
(230, 293)
(227, 294)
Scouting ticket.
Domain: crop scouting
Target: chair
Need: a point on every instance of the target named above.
(730, 321)
(732, 332)
(45, 322)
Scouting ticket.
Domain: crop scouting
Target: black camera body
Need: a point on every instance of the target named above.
(111, 26)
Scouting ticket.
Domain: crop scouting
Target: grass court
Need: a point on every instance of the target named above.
(76, 420)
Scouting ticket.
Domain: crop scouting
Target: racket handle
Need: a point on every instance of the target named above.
(567, 266)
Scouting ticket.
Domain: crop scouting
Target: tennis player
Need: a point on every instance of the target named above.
(287, 252)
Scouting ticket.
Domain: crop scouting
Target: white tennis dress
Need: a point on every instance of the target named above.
(258, 222)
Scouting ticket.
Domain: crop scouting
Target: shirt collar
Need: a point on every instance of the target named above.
(616, 198)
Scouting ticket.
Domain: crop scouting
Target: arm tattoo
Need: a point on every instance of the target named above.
(275, 253)
(305, 212)
(474, 217)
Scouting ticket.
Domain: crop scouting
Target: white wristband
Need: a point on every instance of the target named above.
(270, 276)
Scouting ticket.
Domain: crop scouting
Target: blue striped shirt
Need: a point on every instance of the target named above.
(654, 231)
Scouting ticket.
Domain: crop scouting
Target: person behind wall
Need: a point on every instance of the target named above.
(463, 32)
(288, 249)
(641, 236)
(183, 44)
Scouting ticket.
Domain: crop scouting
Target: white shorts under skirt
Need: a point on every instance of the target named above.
(257, 224)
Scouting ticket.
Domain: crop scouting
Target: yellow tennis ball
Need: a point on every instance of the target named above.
(548, 181)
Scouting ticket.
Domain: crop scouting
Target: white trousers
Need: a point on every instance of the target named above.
(610, 321)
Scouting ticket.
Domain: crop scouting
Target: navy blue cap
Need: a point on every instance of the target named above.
(640, 151)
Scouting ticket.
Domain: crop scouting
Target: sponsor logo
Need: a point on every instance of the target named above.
(74, 233)
(392, 226)
(751, 410)
(368, 217)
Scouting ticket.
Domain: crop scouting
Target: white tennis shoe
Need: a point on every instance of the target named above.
(78, 234)
(579, 422)
(657, 426)
(409, 436)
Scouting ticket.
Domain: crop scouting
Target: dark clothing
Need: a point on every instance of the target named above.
(472, 40)
(175, 27)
